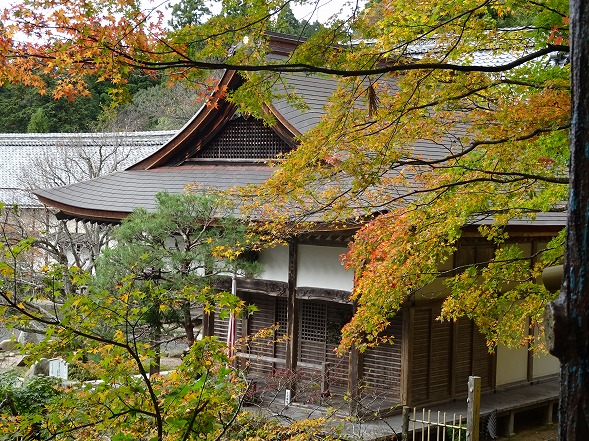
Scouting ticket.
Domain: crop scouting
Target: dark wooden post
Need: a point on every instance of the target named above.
(355, 373)
(530, 364)
(245, 332)
(292, 311)
(208, 324)
(407, 354)
(570, 312)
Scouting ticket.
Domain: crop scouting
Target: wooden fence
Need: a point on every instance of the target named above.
(423, 426)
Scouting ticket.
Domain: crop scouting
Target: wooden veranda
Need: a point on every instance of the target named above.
(510, 406)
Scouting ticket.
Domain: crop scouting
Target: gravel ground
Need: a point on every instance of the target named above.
(534, 434)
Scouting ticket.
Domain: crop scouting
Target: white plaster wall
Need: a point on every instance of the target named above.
(512, 365)
(275, 263)
(320, 267)
(545, 364)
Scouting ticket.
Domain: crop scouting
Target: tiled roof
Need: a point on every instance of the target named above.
(112, 197)
(19, 151)
(315, 90)
(119, 193)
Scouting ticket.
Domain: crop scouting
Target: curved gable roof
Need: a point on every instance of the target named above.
(291, 122)
(175, 165)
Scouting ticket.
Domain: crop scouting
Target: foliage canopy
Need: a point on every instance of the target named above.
(176, 256)
(496, 98)
(107, 326)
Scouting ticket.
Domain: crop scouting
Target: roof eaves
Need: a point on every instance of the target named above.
(71, 212)
(285, 130)
(215, 106)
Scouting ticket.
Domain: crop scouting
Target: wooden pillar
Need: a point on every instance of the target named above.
(510, 429)
(292, 311)
(548, 415)
(245, 323)
(245, 329)
(208, 319)
(405, 423)
(453, 357)
(531, 331)
(493, 370)
(355, 373)
(530, 364)
(407, 354)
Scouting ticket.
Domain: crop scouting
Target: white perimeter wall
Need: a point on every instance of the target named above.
(545, 364)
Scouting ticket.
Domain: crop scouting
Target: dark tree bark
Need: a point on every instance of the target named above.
(570, 312)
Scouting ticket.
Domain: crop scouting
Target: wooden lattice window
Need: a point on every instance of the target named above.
(244, 138)
(313, 321)
(281, 317)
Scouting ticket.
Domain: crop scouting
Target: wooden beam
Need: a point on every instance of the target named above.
(329, 295)
(267, 287)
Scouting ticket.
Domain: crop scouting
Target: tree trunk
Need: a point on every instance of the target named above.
(188, 323)
(155, 365)
(156, 338)
(570, 312)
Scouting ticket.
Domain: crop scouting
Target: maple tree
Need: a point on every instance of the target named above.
(504, 123)
(442, 135)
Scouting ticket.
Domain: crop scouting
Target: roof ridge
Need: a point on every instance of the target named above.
(87, 134)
